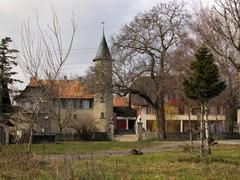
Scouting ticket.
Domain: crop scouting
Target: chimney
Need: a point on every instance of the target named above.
(65, 78)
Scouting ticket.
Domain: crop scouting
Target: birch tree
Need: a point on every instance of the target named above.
(202, 85)
(219, 28)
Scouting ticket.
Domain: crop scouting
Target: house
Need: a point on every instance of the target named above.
(125, 116)
(177, 116)
(60, 105)
(71, 102)
(67, 101)
(4, 132)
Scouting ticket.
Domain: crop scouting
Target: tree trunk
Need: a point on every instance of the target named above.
(231, 116)
(30, 141)
(160, 117)
(202, 130)
(208, 148)
(190, 129)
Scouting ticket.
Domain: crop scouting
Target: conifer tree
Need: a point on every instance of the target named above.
(202, 85)
(7, 61)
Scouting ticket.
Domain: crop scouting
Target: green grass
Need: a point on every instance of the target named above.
(78, 147)
(224, 163)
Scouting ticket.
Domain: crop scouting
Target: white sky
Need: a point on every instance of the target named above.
(88, 15)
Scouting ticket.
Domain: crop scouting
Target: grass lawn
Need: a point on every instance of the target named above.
(78, 147)
(224, 163)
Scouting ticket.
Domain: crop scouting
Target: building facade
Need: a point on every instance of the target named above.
(70, 103)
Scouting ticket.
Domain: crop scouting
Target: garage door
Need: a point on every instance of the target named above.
(121, 124)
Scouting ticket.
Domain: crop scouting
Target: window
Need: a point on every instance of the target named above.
(219, 110)
(75, 116)
(102, 115)
(56, 103)
(85, 104)
(151, 125)
(212, 110)
(75, 103)
(195, 111)
(79, 102)
(149, 110)
(64, 103)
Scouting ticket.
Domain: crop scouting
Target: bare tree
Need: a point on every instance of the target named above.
(42, 57)
(219, 28)
(61, 117)
(143, 52)
(84, 127)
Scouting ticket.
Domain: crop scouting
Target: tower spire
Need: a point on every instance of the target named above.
(103, 52)
(103, 23)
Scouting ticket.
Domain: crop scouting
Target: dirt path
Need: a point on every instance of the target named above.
(164, 146)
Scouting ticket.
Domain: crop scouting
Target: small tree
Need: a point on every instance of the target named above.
(43, 58)
(202, 85)
(7, 61)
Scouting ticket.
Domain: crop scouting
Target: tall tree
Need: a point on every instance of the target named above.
(221, 24)
(143, 52)
(202, 85)
(7, 61)
(43, 58)
(219, 28)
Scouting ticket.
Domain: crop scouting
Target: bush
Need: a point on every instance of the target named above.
(84, 128)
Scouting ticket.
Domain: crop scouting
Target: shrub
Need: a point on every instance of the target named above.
(84, 128)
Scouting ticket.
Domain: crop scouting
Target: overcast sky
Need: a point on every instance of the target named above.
(88, 15)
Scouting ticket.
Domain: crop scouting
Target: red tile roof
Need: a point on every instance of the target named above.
(65, 88)
(120, 101)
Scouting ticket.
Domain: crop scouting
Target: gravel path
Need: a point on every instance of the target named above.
(164, 146)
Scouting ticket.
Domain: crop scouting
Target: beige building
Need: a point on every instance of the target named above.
(70, 102)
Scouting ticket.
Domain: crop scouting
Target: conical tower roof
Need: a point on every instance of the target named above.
(103, 52)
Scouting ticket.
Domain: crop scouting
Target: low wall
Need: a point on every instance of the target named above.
(185, 136)
(97, 136)
(43, 138)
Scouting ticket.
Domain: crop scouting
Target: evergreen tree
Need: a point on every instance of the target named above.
(7, 61)
(202, 85)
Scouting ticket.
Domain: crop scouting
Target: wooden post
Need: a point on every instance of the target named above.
(181, 126)
(111, 128)
(140, 129)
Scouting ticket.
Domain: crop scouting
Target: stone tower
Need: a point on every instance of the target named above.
(103, 100)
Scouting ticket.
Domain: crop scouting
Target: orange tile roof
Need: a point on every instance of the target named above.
(120, 101)
(33, 82)
(65, 88)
